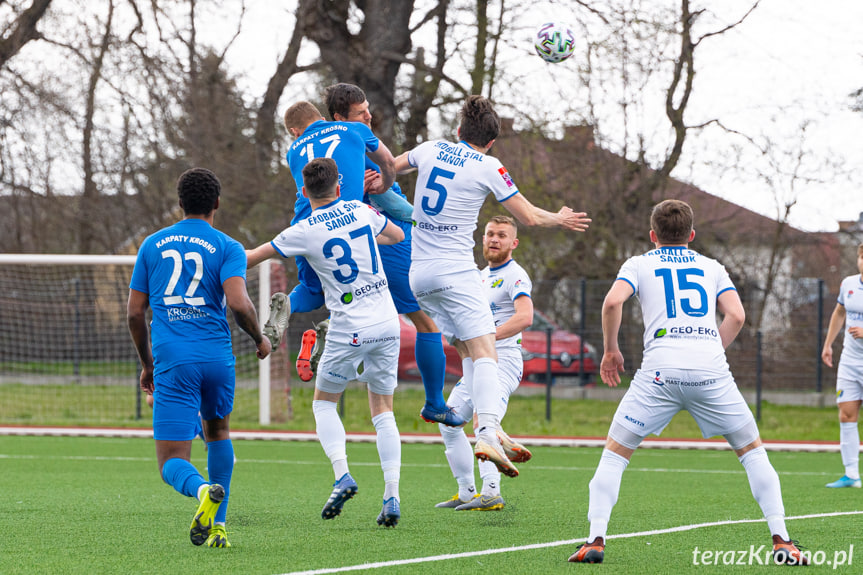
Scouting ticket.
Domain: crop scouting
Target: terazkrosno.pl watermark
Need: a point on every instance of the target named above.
(763, 555)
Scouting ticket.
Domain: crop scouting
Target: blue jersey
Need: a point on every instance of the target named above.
(344, 142)
(182, 269)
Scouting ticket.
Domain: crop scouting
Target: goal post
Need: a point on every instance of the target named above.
(65, 351)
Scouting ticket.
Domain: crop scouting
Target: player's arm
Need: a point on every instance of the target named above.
(837, 320)
(244, 313)
(385, 161)
(259, 254)
(733, 316)
(403, 165)
(612, 315)
(136, 317)
(530, 215)
(391, 234)
(520, 320)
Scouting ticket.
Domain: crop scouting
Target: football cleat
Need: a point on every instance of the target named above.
(483, 503)
(787, 552)
(447, 416)
(845, 481)
(487, 451)
(321, 329)
(454, 502)
(218, 537)
(343, 489)
(304, 366)
(592, 552)
(202, 522)
(516, 452)
(390, 514)
(277, 323)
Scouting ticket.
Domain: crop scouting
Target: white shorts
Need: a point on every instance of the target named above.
(849, 383)
(713, 401)
(509, 366)
(376, 347)
(455, 301)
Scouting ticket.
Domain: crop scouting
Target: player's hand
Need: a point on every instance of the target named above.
(827, 356)
(856, 332)
(147, 379)
(373, 183)
(264, 347)
(575, 221)
(611, 367)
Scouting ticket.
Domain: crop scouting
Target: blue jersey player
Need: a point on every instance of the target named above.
(189, 273)
(347, 103)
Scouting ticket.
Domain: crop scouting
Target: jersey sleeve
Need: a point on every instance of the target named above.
(379, 221)
(418, 154)
(840, 300)
(370, 141)
(140, 278)
(723, 281)
(499, 181)
(521, 286)
(234, 264)
(290, 242)
(629, 273)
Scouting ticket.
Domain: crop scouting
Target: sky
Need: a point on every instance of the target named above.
(784, 75)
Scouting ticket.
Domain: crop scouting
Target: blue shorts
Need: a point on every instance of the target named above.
(397, 264)
(309, 278)
(184, 390)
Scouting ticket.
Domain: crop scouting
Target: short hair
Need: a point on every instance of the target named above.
(301, 114)
(198, 190)
(479, 123)
(501, 219)
(340, 97)
(320, 177)
(860, 250)
(672, 221)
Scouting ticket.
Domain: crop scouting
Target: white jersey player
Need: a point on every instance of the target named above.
(507, 289)
(849, 377)
(338, 240)
(683, 368)
(454, 179)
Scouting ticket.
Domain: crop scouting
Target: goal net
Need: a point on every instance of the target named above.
(66, 357)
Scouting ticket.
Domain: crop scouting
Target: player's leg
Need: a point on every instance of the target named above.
(458, 450)
(848, 399)
(510, 366)
(176, 403)
(217, 403)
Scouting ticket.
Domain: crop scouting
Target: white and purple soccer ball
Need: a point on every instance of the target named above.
(554, 42)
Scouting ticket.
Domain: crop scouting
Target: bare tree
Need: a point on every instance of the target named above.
(17, 33)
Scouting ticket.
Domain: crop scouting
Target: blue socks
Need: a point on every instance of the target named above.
(220, 463)
(431, 361)
(182, 476)
(304, 300)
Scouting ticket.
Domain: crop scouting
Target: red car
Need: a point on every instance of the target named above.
(564, 353)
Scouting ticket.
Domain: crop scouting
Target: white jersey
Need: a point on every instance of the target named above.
(502, 286)
(338, 240)
(452, 184)
(678, 288)
(851, 297)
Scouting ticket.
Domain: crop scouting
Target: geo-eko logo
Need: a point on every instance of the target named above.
(660, 332)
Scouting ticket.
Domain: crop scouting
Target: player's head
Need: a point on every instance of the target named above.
(321, 179)
(198, 190)
(478, 122)
(671, 223)
(499, 239)
(860, 258)
(299, 116)
(347, 103)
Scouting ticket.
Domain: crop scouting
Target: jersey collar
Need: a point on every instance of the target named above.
(509, 261)
(325, 206)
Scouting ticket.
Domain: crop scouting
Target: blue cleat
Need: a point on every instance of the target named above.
(390, 514)
(343, 489)
(845, 481)
(447, 416)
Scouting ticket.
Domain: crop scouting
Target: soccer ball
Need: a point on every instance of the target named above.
(554, 42)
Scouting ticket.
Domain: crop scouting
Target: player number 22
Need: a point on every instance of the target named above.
(189, 298)
(684, 283)
(345, 259)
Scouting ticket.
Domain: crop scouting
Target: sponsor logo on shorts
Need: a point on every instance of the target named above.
(379, 339)
(686, 383)
(355, 341)
(633, 420)
(427, 293)
(335, 375)
(658, 379)
(840, 392)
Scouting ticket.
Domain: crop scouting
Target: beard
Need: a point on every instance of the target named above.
(496, 257)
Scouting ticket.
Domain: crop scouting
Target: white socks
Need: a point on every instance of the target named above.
(331, 434)
(849, 445)
(764, 482)
(486, 393)
(490, 478)
(460, 456)
(390, 451)
(604, 489)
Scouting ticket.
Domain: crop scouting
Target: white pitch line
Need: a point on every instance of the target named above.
(678, 529)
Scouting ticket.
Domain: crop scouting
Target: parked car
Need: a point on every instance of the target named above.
(565, 348)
